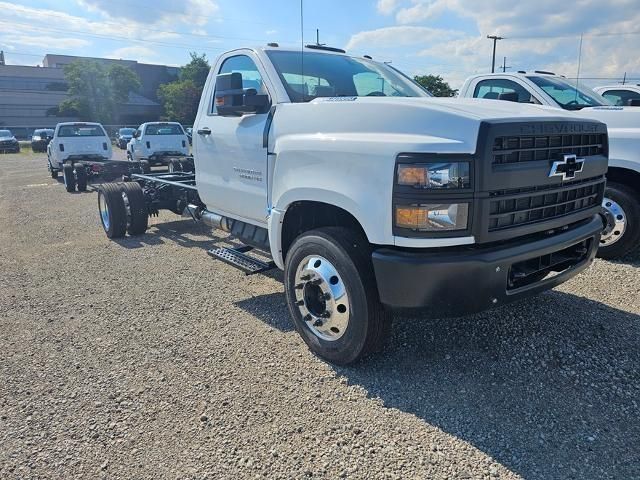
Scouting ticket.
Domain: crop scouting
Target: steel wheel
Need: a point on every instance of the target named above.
(322, 298)
(616, 222)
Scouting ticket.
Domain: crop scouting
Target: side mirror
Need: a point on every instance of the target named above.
(509, 97)
(232, 100)
(634, 102)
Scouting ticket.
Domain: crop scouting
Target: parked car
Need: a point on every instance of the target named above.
(40, 139)
(621, 95)
(371, 196)
(189, 132)
(621, 201)
(8, 143)
(123, 137)
(157, 143)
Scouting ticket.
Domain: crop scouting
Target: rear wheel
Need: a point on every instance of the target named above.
(111, 207)
(621, 235)
(175, 165)
(81, 177)
(332, 295)
(136, 208)
(145, 166)
(69, 177)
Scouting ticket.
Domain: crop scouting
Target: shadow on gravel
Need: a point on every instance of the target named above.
(179, 231)
(548, 387)
(270, 309)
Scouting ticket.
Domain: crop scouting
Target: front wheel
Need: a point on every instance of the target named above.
(621, 206)
(332, 295)
(69, 177)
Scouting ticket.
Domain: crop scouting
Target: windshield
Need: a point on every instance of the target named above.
(43, 132)
(126, 131)
(81, 131)
(328, 75)
(5, 133)
(164, 129)
(568, 95)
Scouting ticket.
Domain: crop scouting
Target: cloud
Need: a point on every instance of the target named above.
(544, 34)
(167, 12)
(139, 53)
(398, 36)
(387, 7)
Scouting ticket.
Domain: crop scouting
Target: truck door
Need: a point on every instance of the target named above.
(231, 161)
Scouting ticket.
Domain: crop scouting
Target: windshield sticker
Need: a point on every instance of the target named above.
(608, 108)
(340, 99)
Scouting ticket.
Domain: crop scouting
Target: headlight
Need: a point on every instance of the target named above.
(433, 217)
(453, 175)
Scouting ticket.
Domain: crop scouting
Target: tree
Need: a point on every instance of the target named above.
(95, 91)
(436, 85)
(180, 99)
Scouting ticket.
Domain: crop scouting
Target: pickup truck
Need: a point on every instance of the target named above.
(156, 143)
(373, 196)
(621, 201)
(621, 95)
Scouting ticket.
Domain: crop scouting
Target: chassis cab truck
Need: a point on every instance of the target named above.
(373, 196)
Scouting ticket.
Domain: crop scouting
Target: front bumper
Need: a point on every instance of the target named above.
(10, 147)
(464, 280)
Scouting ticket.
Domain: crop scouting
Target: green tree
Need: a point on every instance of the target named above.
(95, 91)
(180, 99)
(436, 85)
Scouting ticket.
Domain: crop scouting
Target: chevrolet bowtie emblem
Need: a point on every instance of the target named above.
(567, 167)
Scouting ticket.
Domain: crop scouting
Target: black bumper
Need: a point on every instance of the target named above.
(455, 282)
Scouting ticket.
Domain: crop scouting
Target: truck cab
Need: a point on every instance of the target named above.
(373, 196)
(74, 141)
(621, 203)
(156, 142)
(620, 94)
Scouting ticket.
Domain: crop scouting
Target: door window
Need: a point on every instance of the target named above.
(492, 88)
(251, 77)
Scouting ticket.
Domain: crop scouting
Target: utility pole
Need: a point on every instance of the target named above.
(624, 79)
(504, 64)
(1, 57)
(495, 39)
(318, 38)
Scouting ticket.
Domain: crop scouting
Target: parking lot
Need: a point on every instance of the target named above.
(144, 358)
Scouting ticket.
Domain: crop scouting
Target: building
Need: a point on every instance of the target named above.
(29, 94)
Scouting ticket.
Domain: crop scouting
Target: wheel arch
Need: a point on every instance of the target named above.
(625, 176)
(304, 215)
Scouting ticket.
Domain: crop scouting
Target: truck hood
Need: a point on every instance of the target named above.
(401, 124)
(614, 117)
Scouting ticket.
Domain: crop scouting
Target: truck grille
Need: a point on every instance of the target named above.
(516, 149)
(517, 207)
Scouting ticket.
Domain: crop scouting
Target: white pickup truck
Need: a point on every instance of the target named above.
(372, 196)
(622, 197)
(620, 95)
(157, 143)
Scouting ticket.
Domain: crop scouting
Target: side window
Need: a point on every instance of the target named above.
(251, 77)
(492, 88)
(620, 97)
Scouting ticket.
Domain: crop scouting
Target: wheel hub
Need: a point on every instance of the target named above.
(322, 298)
(616, 222)
(104, 211)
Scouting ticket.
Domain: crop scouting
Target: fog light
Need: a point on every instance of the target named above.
(433, 217)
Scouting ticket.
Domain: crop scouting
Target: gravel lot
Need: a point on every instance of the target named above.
(144, 358)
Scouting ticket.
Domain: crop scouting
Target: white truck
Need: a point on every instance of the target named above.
(621, 203)
(159, 143)
(620, 95)
(372, 196)
(82, 150)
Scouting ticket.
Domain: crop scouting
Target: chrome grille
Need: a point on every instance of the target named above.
(516, 149)
(518, 207)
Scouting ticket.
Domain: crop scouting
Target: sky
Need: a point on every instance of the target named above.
(441, 37)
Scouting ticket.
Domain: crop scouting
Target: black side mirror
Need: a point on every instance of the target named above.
(634, 102)
(509, 97)
(233, 100)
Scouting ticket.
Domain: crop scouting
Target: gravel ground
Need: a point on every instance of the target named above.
(143, 358)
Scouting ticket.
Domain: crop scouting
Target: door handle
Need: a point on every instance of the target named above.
(204, 131)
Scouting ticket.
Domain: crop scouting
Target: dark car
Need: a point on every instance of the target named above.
(40, 139)
(123, 136)
(8, 143)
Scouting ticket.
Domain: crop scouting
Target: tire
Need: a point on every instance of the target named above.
(145, 166)
(54, 173)
(349, 294)
(622, 210)
(69, 177)
(175, 165)
(112, 211)
(138, 216)
(81, 177)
